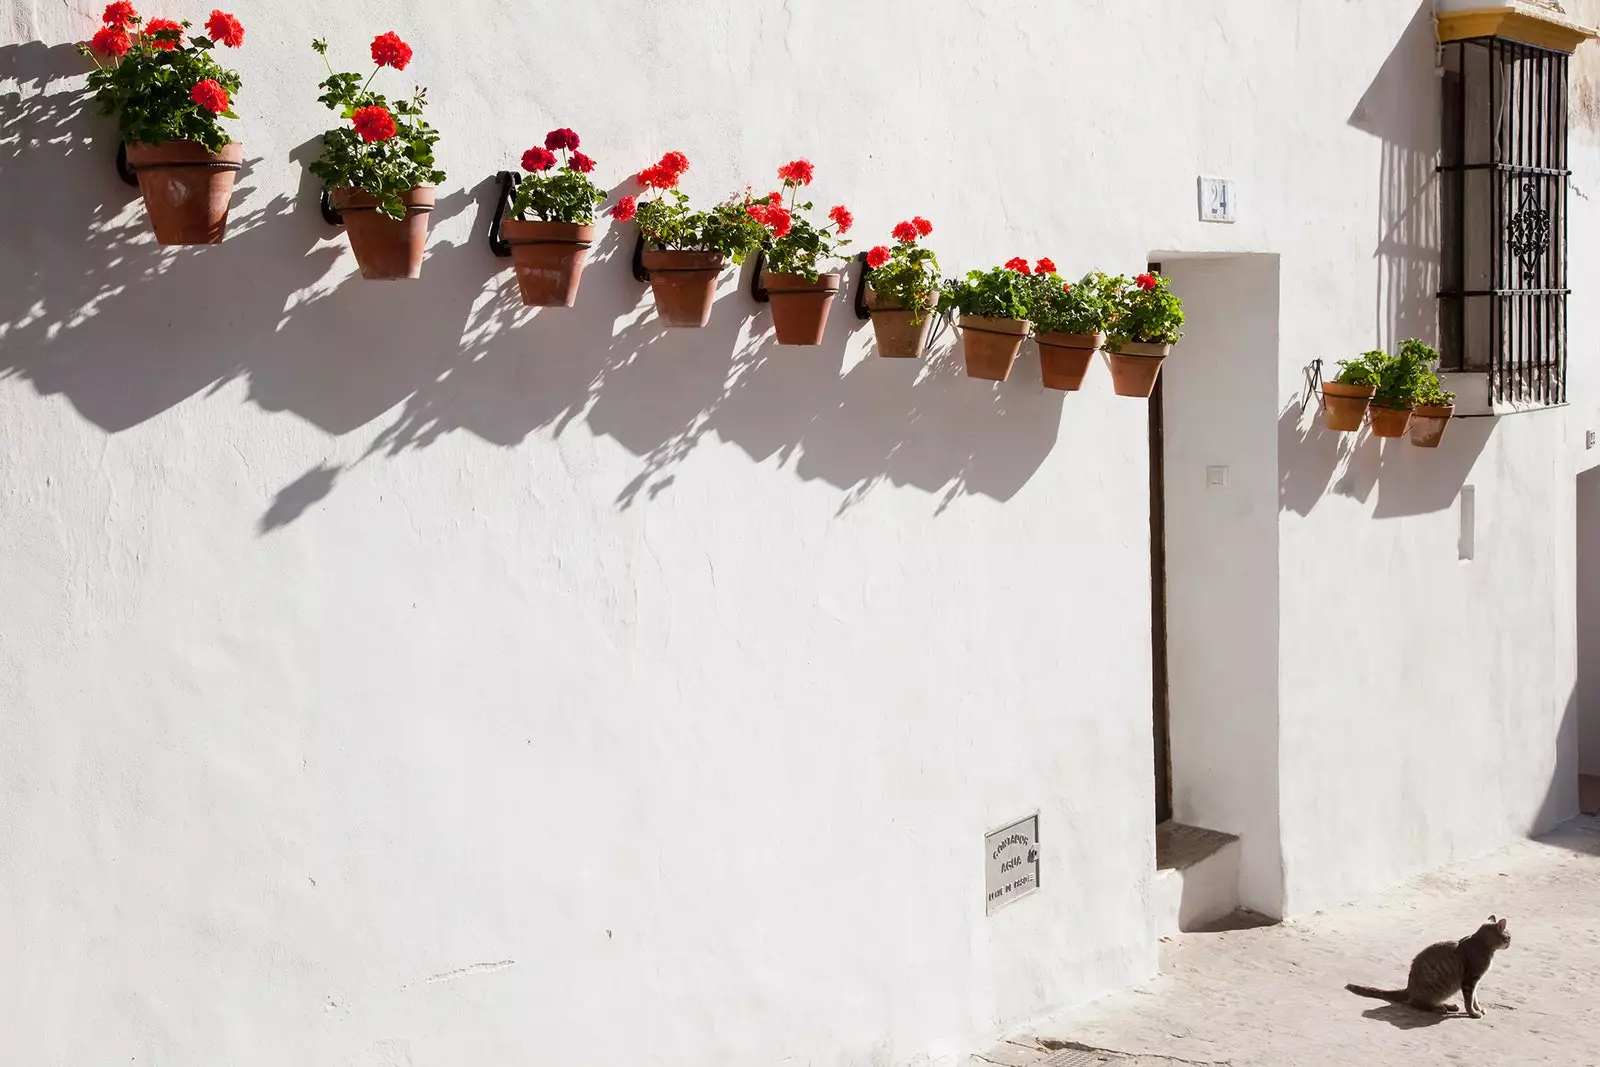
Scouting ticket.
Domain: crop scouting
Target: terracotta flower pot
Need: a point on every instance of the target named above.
(1344, 406)
(1136, 367)
(1064, 358)
(549, 258)
(386, 249)
(1429, 423)
(684, 284)
(800, 307)
(991, 345)
(186, 189)
(1389, 422)
(898, 336)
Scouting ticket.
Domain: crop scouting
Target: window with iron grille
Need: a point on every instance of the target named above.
(1503, 200)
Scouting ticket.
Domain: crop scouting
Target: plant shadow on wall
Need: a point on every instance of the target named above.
(1314, 461)
(1401, 109)
(661, 393)
(126, 330)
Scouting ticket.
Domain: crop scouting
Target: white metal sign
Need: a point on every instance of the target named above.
(1011, 863)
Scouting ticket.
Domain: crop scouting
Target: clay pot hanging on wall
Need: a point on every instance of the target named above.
(186, 188)
(900, 332)
(684, 284)
(1344, 406)
(1064, 358)
(1135, 367)
(548, 258)
(800, 307)
(386, 249)
(1389, 422)
(991, 345)
(1429, 423)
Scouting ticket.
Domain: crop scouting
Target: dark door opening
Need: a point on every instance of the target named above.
(1160, 707)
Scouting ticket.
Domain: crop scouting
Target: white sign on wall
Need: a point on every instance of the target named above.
(1011, 863)
(1216, 199)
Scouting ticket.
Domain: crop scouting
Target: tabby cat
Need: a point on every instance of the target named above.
(1442, 969)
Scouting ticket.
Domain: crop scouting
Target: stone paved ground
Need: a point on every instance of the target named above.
(1274, 996)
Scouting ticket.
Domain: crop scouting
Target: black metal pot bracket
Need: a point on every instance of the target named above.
(508, 190)
(330, 214)
(862, 311)
(640, 275)
(758, 284)
(125, 172)
(1313, 386)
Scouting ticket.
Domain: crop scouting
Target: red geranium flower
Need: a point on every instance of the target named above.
(537, 159)
(1018, 264)
(120, 15)
(775, 199)
(779, 219)
(674, 163)
(373, 123)
(904, 232)
(1045, 266)
(658, 177)
(877, 257)
(842, 217)
(388, 50)
(155, 26)
(797, 172)
(924, 227)
(1145, 281)
(626, 209)
(1067, 288)
(562, 138)
(580, 163)
(757, 212)
(111, 41)
(225, 29)
(209, 95)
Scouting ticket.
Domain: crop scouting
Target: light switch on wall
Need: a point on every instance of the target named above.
(1217, 477)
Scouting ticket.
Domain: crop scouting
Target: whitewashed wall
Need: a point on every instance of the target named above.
(391, 676)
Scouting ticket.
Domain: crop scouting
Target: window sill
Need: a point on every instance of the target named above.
(1473, 400)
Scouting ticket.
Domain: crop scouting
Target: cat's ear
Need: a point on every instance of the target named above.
(1493, 919)
(1501, 924)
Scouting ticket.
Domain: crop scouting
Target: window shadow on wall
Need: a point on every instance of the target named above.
(1401, 109)
(93, 311)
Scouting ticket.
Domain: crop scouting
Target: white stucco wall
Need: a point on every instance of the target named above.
(1222, 561)
(391, 676)
(1588, 699)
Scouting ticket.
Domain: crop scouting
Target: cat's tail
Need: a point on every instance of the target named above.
(1396, 996)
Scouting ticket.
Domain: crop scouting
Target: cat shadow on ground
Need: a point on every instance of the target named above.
(1405, 1017)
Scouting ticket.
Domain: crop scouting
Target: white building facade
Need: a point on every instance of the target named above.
(392, 676)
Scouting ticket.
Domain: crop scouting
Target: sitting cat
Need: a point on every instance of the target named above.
(1441, 969)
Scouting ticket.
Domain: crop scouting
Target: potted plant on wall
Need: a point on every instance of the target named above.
(379, 169)
(993, 307)
(1400, 380)
(801, 294)
(1432, 406)
(1070, 320)
(1147, 322)
(169, 96)
(1345, 399)
(903, 290)
(551, 223)
(686, 250)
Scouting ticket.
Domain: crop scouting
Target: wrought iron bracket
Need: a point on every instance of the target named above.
(863, 312)
(125, 172)
(508, 189)
(1313, 386)
(640, 275)
(330, 214)
(758, 287)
